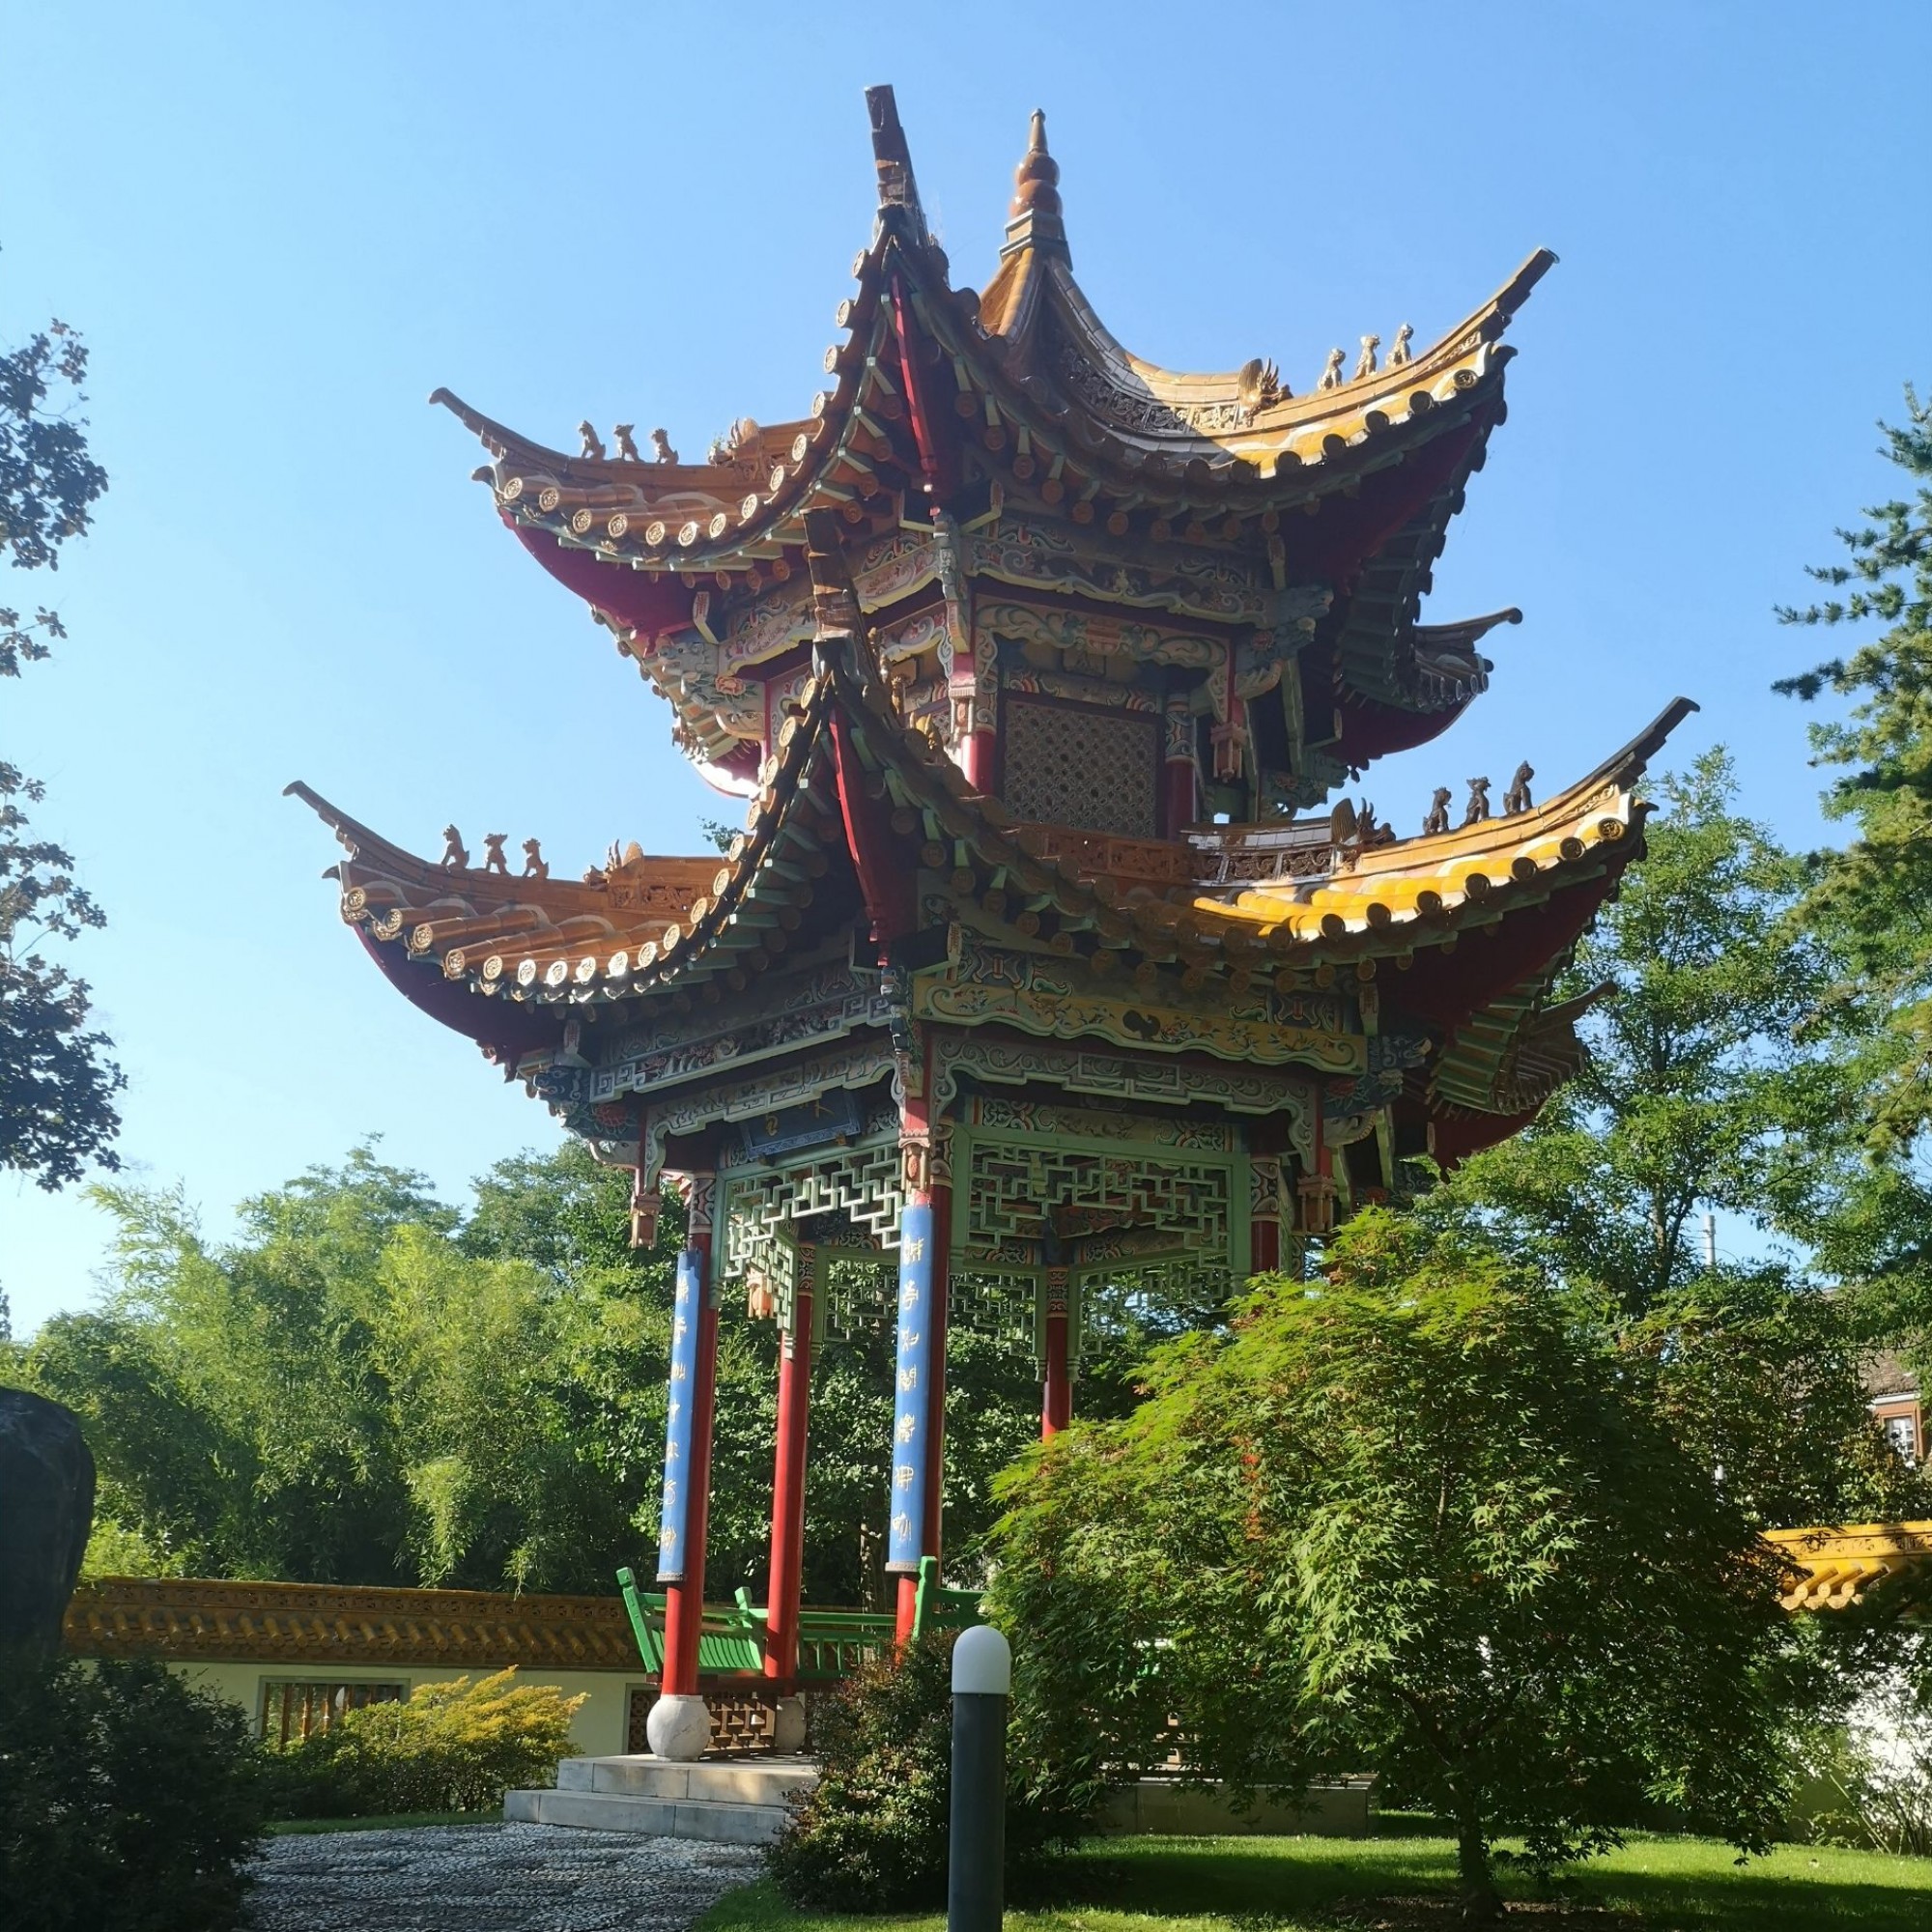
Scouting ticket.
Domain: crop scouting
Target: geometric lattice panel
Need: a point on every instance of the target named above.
(1090, 769)
(1002, 1308)
(859, 1296)
(1018, 1191)
(863, 1186)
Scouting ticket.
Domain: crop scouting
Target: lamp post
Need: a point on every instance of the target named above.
(975, 1876)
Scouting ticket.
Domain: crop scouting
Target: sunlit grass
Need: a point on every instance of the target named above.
(1313, 1884)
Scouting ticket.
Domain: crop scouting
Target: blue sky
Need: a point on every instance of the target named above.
(280, 228)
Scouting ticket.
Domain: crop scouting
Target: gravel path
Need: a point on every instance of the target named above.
(490, 1878)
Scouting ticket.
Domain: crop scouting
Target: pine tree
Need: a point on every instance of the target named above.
(1870, 897)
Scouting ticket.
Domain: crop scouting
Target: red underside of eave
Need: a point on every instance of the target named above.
(511, 1031)
(637, 599)
(1351, 529)
(1445, 988)
(1455, 1137)
(1370, 730)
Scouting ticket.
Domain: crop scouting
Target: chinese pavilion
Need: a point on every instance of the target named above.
(1043, 971)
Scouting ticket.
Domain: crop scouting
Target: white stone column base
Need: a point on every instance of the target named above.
(788, 1726)
(678, 1728)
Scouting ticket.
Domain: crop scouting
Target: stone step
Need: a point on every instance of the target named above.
(768, 1780)
(719, 1824)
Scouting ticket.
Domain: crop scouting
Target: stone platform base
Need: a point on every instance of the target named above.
(727, 1803)
(744, 1802)
(1166, 1806)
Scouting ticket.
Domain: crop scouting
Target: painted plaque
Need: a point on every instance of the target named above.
(825, 1117)
(912, 1396)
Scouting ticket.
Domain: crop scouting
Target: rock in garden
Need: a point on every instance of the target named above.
(47, 1510)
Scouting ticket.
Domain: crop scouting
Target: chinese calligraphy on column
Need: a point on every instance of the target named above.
(911, 1394)
(684, 1326)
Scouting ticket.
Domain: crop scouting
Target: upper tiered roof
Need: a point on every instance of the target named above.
(1018, 406)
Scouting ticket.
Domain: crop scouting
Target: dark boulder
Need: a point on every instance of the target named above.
(46, 1511)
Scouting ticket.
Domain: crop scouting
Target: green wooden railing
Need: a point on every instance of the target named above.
(832, 1644)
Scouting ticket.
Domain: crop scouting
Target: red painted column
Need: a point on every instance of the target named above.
(684, 1599)
(1318, 1189)
(1265, 1214)
(1265, 1247)
(981, 749)
(1055, 1408)
(1181, 801)
(788, 1478)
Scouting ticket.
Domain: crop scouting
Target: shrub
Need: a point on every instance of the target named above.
(455, 1746)
(873, 1835)
(129, 1799)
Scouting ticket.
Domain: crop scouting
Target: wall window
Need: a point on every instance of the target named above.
(292, 1711)
(1902, 1432)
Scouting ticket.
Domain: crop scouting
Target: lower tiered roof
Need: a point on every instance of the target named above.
(859, 823)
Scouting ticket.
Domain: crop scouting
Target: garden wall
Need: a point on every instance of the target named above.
(293, 1655)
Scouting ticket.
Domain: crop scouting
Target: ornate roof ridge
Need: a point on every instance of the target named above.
(1833, 1566)
(1462, 632)
(439, 905)
(327, 1626)
(1372, 901)
(1048, 321)
(1033, 352)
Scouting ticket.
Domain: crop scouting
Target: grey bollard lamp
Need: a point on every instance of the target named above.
(976, 1871)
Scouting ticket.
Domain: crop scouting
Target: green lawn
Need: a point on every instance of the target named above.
(401, 1821)
(1313, 1884)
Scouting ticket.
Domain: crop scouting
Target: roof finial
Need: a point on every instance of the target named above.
(894, 158)
(1036, 221)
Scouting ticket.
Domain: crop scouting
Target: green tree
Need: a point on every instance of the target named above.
(1714, 1080)
(1693, 1090)
(365, 1386)
(48, 481)
(57, 1082)
(1416, 1518)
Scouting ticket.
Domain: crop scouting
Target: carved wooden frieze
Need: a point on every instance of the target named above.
(859, 1064)
(780, 1018)
(1054, 998)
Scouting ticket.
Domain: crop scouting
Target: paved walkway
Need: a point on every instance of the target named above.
(490, 1878)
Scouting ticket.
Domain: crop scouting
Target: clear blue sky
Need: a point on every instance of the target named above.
(282, 227)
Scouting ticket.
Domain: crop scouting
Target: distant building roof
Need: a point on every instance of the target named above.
(1883, 1373)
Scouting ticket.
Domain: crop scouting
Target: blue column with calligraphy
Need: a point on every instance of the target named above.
(678, 1417)
(911, 1408)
